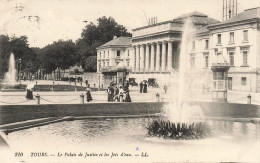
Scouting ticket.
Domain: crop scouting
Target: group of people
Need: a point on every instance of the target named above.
(114, 93)
(143, 87)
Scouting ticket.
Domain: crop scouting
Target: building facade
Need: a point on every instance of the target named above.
(238, 40)
(113, 56)
(153, 51)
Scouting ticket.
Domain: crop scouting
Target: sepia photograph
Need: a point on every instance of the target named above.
(129, 81)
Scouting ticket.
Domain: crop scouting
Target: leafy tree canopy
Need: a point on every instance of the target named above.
(61, 54)
(94, 36)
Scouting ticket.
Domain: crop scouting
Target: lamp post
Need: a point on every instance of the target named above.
(20, 68)
(99, 76)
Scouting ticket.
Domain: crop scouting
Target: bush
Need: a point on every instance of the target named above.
(179, 131)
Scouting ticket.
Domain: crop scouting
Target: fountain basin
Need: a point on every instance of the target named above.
(4, 87)
(230, 141)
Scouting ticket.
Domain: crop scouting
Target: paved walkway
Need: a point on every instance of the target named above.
(18, 98)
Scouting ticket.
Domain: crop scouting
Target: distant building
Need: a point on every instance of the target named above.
(114, 57)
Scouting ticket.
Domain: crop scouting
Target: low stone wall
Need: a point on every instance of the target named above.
(230, 110)
(18, 113)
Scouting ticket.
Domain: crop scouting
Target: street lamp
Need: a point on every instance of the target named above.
(20, 68)
(99, 76)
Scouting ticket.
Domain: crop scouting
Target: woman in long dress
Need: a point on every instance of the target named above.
(29, 94)
(108, 94)
(127, 96)
(145, 88)
(89, 97)
(141, 87)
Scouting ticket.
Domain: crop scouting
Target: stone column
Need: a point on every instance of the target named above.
(142, 57)
(157, 66)
(137, 59)
(132, 59)
(169, 56)
(147, 57)
(163, 56)
(152, 57)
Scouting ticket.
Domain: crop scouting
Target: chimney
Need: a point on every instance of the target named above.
(115, 37)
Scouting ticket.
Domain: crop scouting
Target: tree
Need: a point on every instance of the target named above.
(4, 54)
(94, 36)
(61, 54)
(20, 48)
(91, 64)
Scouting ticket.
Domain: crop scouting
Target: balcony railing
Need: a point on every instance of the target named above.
(154, 69)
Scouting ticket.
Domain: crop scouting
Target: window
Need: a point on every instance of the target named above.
(231, 39)
(244, 58)
(118, 53)
(192, 60)
(104, 54)
(218, 76)
(193, 45)
(107, 63)
(231, 58)
(206, 61)
(99, 54)
(243, 81)
(206, 44)
(245, 35)
(219, 38)
(128, 53)
(127, 64)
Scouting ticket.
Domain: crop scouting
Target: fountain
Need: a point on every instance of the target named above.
(11, 74)
(181, 120)
(9, 82)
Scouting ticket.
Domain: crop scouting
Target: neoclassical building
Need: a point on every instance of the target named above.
(153, 51)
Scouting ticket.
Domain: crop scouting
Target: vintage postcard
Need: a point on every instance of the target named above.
(129, 81)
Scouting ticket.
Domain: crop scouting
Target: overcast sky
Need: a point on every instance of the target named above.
(63, 19)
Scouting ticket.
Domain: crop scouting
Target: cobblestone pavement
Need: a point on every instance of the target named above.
(18, 98)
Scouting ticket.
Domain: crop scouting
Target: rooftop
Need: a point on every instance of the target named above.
(253, 13)
(196, 17)
(120, 41)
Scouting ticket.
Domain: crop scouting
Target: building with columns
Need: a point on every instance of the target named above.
(153, 51)
(156, 47)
